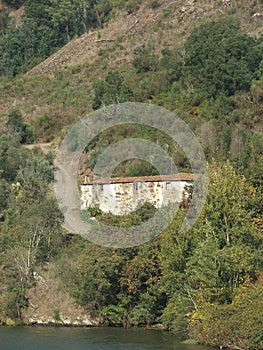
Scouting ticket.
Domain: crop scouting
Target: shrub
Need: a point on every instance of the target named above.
(132, 6)
(154, 4)
(220, 58)
(111, 90)
(146, 61)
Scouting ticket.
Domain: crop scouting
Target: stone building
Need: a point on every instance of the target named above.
(122, 195)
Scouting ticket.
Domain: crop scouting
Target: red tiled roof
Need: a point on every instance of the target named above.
(156, 178)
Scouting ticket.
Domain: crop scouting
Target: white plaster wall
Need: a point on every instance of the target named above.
(122, 198)
(86, 196)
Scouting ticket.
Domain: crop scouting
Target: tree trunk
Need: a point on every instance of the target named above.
(67, 29)
(98, 16)
(84, 16)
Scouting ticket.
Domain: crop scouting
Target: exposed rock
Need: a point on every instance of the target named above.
(84, 321)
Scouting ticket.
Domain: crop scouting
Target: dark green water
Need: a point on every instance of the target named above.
(52, 338)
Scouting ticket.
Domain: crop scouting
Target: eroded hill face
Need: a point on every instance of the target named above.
(59, 90)
(168, 24)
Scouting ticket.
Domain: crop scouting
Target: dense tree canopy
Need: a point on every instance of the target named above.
(111, 90)
(46, 26)
(221, 59)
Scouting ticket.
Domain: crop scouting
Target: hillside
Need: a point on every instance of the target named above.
(72, 70)
(202, 60)
(125, 33)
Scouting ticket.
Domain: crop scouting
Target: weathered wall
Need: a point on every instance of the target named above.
(122, 198)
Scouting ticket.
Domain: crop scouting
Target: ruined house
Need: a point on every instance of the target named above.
(122, 195)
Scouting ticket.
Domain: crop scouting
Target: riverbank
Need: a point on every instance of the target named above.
(66, 321)
(62, 321)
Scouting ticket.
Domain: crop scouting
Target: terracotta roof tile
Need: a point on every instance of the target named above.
(156, 178)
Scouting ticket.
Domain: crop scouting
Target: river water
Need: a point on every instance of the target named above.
(55, 338)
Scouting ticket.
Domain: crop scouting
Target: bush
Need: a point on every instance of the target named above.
(154, 4)
(4, 194)
(221, 59)
(14, 3)
(45, 126)
(113, 314)
(132, 6)
(146, 61)
(56, 315)
(15, 126)
(94, 211)
(111, 90)
(238, 325)
(4, 23)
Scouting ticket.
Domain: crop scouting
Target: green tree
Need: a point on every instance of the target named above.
(31, 237)
(218, 58)
(16, 127)
(34, 177)
(4, 23)
(236, 325)
(111, 90)
(210, 262)
(227, 209)
(139, 289)
(4, 195)
(203, 271)
(91, 276)
(14, 3)
(37, 10)
(145, 61)
(22, 47)
(62, 11)
(11, 161)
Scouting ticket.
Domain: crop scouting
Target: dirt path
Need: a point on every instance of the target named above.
(44, 147)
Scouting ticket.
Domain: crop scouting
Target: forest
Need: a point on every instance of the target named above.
(205, 284)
